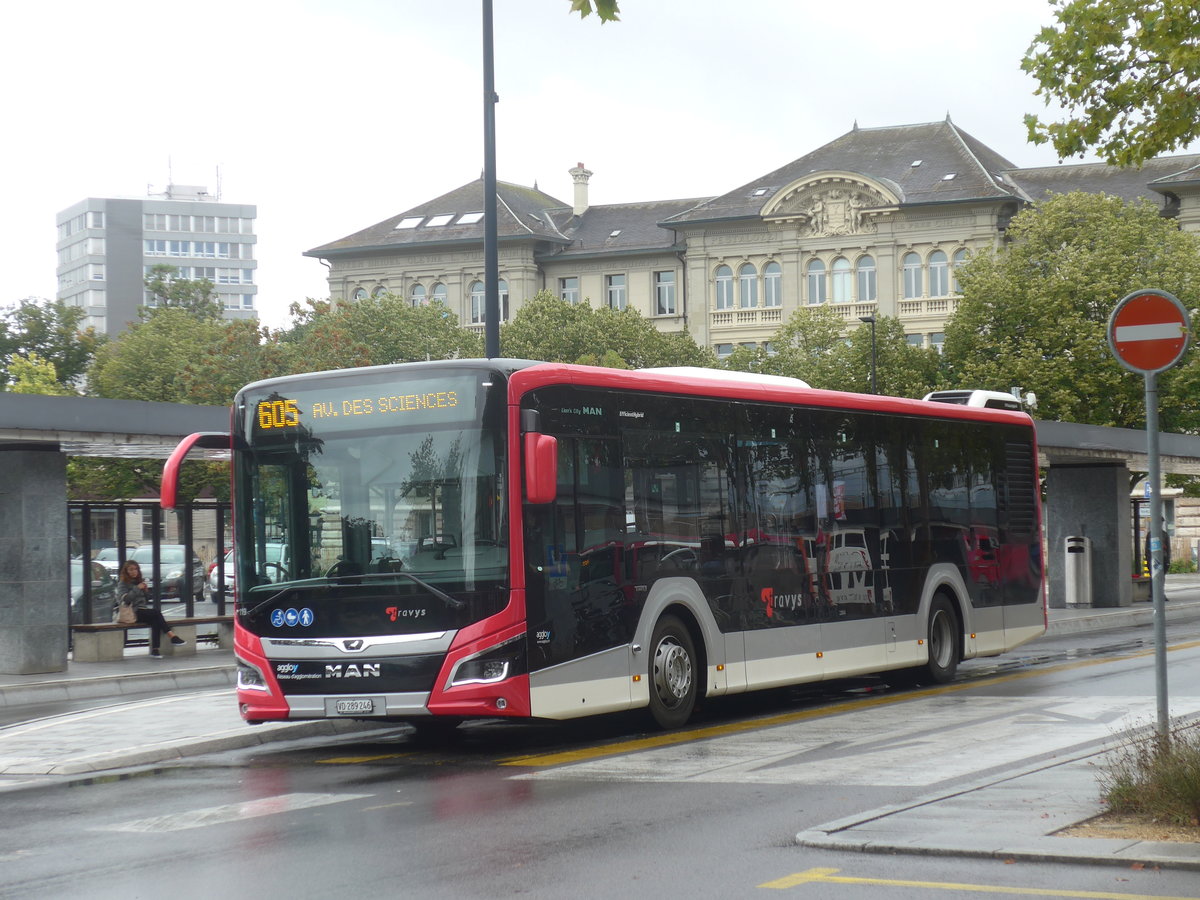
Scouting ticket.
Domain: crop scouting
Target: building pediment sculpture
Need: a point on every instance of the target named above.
(830, 207)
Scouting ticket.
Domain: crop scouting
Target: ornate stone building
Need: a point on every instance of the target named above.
(873, 223)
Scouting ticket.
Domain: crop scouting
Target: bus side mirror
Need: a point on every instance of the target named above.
(541, 467)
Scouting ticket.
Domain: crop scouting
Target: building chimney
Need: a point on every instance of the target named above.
(581, 176)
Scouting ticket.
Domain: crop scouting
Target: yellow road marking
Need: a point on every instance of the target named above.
(830, 876)
(351, 760)
(585, 754)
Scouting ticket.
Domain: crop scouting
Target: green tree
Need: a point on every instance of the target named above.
(92, 478)
(372, 332)
(804, 348)
(1035, 314)
(148, 360)
(244, 352)
(901, 369)
(171, 355)
(548, 328)
(199, 297)
(606, 10)
(1127, 74)
(814, 346)
(50, 329)
(33, 375)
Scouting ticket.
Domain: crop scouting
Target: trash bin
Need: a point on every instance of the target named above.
(1078, 558)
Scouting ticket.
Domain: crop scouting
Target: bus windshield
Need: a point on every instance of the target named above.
(371, 503)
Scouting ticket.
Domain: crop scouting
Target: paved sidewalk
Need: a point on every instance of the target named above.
(135, 730)
(1010, 816)
(1014, 816)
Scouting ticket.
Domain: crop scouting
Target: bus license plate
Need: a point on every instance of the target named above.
(351, 707)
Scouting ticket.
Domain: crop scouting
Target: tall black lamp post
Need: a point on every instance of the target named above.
(871, 321)
(491, 256)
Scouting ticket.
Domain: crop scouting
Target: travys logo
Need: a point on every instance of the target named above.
(772, 601)
(396, 612)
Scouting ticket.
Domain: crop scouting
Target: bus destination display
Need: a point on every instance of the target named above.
(322, 410)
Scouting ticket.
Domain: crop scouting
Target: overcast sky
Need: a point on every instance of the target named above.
(331, 115)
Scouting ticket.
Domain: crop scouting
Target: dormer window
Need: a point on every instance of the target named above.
(614, 233)
(469, 218)
(916, 162)
(409, 222)
(949, 177)
(443, 219)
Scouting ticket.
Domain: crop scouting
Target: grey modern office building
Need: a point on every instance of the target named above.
(106, 247)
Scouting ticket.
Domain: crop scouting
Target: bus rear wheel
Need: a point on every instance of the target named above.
(944, 636)
(673, 673)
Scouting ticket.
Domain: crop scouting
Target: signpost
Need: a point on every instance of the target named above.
(1148, 333)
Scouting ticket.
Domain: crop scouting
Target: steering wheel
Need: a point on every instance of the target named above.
(682, 555)
(349, 565)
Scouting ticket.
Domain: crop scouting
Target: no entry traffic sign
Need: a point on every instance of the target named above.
(1148, 331)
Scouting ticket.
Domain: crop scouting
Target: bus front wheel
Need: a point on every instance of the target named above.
(673, 673)
(944, 637)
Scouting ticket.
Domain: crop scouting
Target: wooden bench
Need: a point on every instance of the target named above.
(105, 641)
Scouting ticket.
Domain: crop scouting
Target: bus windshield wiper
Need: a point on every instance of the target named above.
(247, 613)
(452, 602)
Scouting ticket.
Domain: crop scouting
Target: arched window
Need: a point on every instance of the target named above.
(418, 295)
(939, 274)
(816, 281)
(439, 293)
(868, 287)
(842, 280)
(379, 291)
(772, 284)
(477, 303)
(747, 287)
(502, 288)
(914, 282)
(960, 259)
(724, 297)
(360, 294)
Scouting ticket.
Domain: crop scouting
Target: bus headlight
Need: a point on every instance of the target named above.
(250, 678)
(494, 664)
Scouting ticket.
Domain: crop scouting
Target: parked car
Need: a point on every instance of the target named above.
(110, 558)
(172, 574)
(276, 565)
(104, 591)
(211, 582)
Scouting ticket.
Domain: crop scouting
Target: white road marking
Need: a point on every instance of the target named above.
(231, 812)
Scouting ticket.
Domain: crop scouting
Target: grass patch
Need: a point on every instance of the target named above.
(1155, 776)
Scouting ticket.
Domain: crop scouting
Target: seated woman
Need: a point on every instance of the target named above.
(132, 591)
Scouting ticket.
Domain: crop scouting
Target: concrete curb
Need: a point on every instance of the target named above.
(110, 765)
(116, 686)
(1044, 846)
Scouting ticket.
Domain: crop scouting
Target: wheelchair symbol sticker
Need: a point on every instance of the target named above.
(277, 617)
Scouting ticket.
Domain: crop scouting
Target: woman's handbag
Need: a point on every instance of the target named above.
(126, 614)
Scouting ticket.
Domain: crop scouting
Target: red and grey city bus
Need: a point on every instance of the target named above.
(483, 538)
